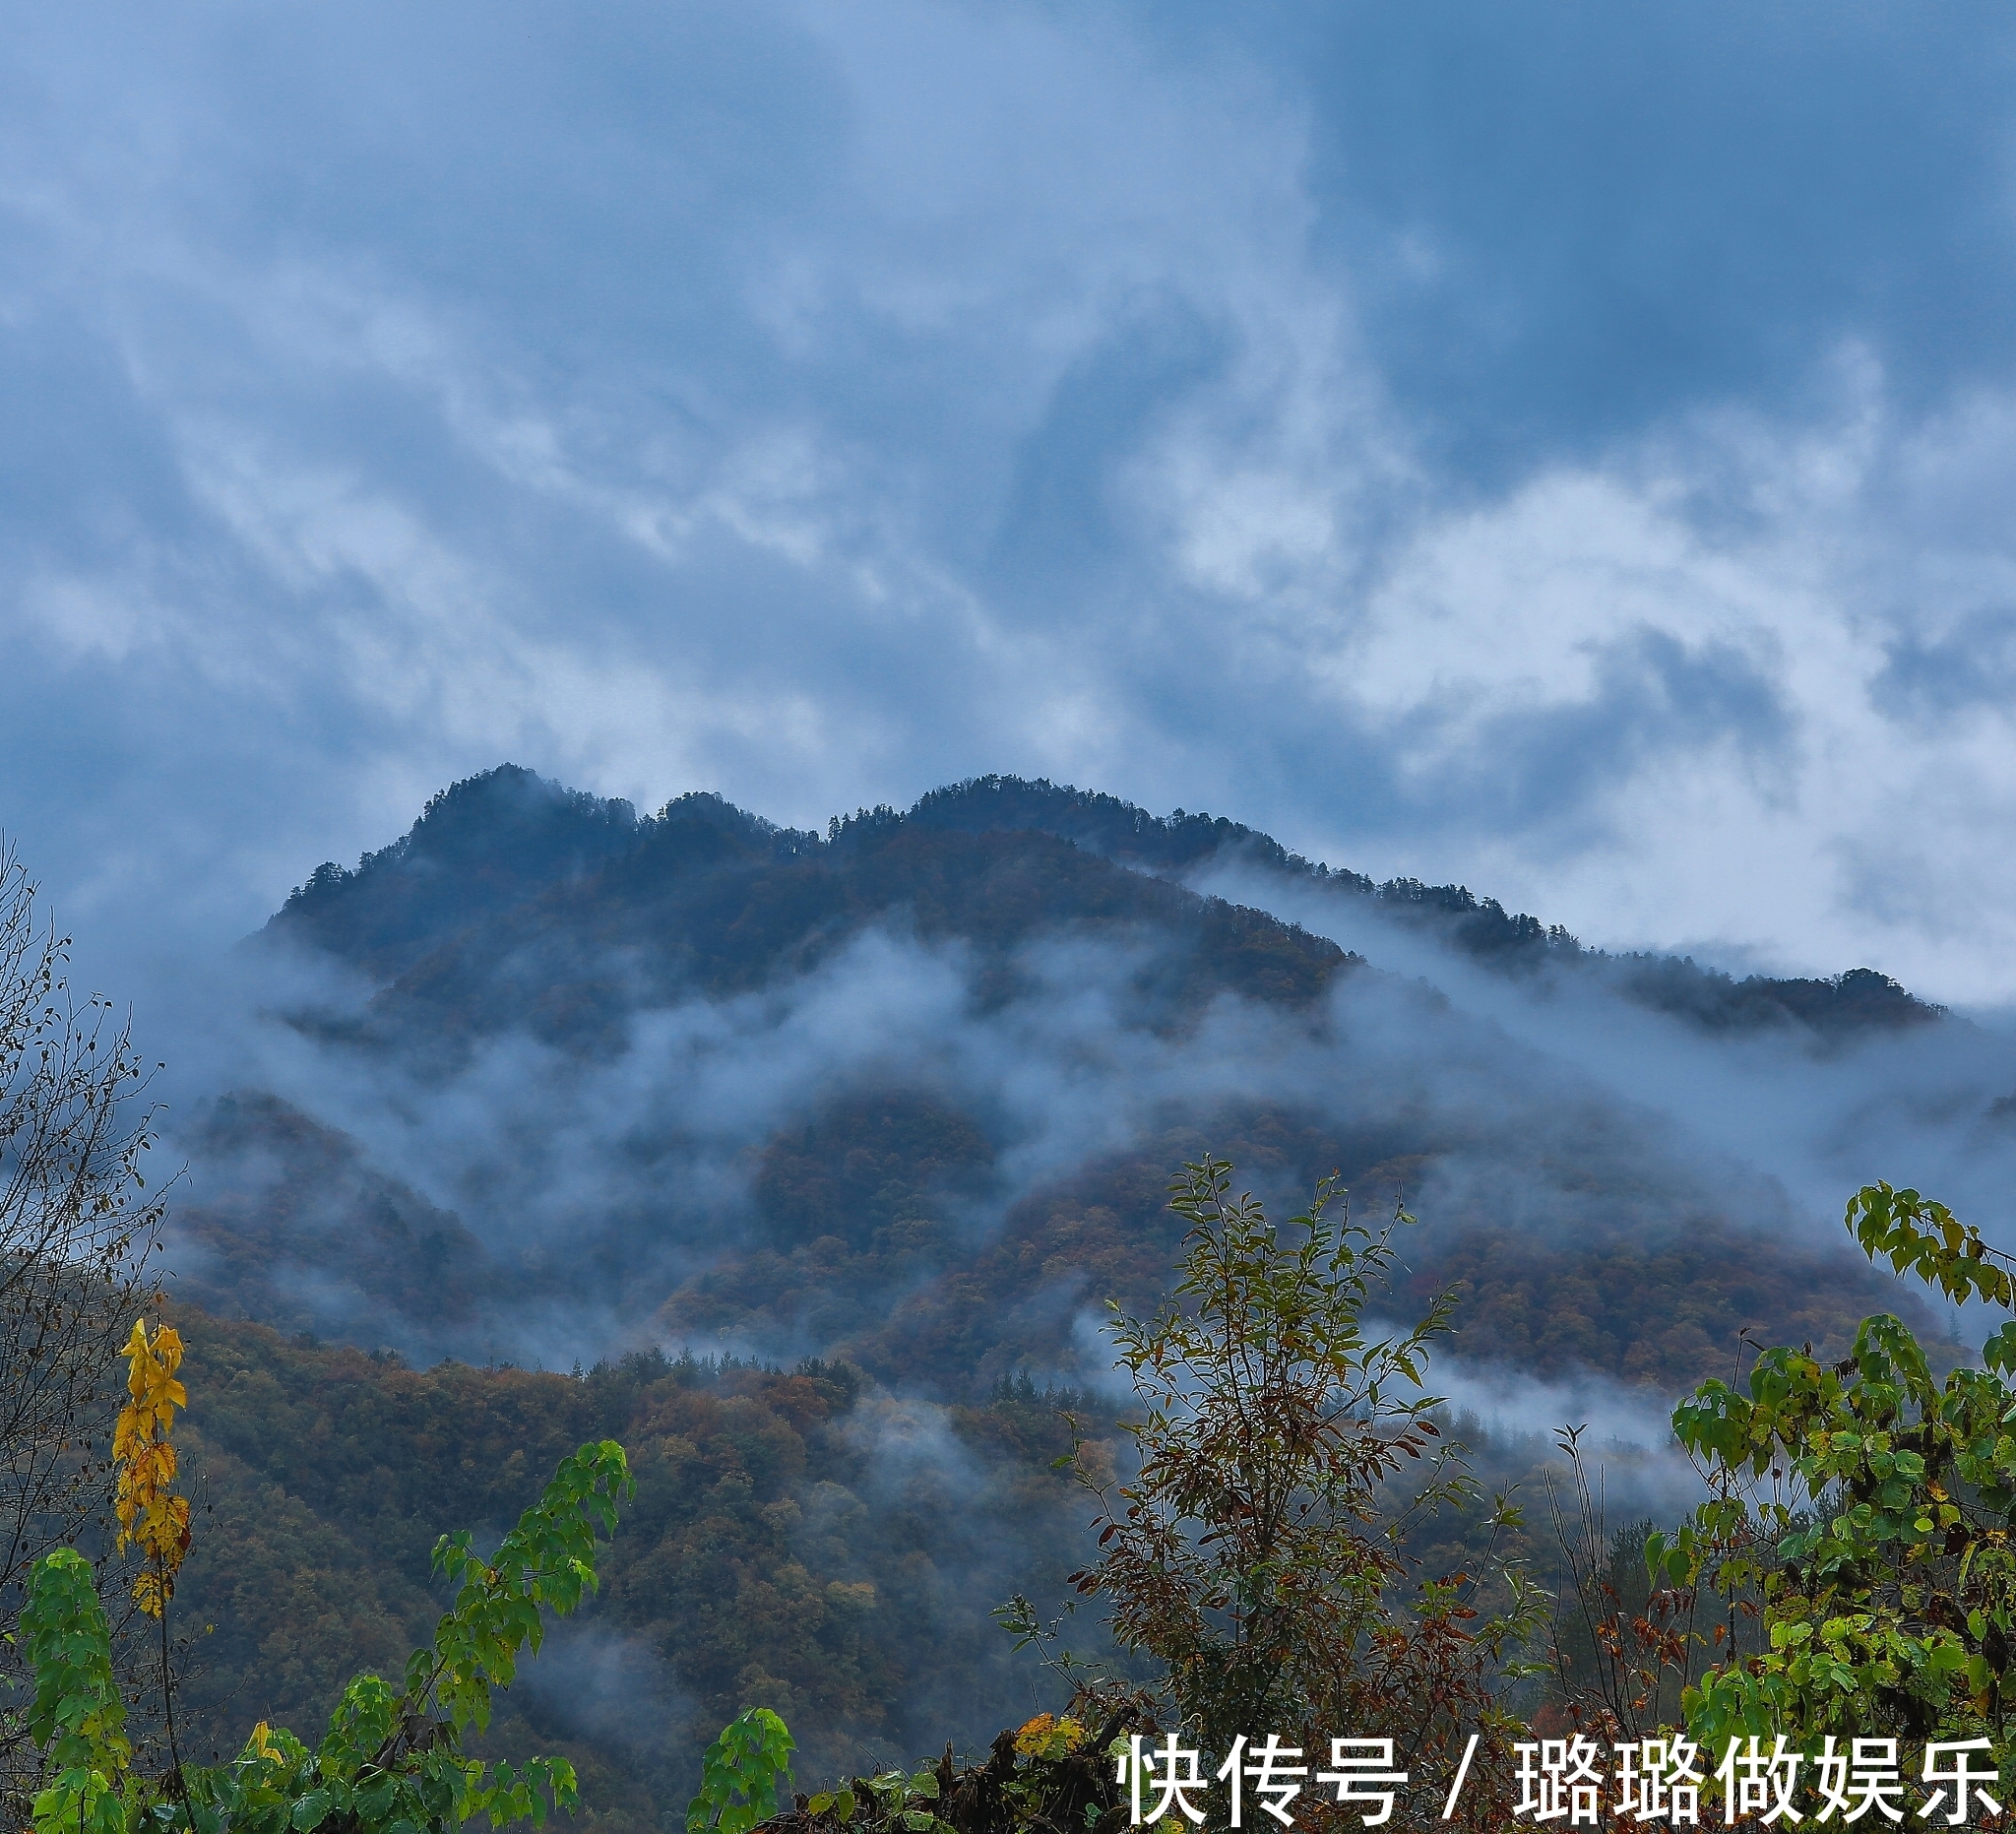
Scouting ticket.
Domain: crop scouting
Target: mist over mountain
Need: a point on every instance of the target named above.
(548, 1073)
(815, 1158)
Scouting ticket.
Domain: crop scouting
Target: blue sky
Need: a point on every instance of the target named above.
(1563, 448)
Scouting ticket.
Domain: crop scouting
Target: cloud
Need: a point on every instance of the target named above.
(1971, 666)
(1581, 222)
(588, 1679)
(1563, 453)
(1910, 1106)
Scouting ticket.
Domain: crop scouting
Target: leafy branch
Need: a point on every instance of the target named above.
(1868, 1509)
(390, 1761)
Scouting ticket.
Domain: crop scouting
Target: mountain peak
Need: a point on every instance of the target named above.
(479, 846)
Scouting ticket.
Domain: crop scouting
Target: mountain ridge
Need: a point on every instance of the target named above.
(396, 902)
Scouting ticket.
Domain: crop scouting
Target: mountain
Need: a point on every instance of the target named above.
(1480, 928)
(721, 1165)
(820, 1154)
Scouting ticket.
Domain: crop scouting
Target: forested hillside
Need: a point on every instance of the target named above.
(1480, 927)
(821, 1156)
(798, 1540)
(849, 1246)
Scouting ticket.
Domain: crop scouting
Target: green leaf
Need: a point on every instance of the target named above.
(750, 1760)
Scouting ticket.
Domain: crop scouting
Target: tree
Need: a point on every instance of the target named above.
(1867, 1508)
(77, 1223)
(1260, 1553)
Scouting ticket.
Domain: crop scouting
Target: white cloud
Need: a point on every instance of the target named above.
(784, 407)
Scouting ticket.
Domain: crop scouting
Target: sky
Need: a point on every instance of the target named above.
(1564, 449)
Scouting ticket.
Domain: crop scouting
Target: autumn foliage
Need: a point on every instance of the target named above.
(1260, 1555)
(151, 1517)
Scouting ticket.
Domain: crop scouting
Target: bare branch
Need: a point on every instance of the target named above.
(77, 1226)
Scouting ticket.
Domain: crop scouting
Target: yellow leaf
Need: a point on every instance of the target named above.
(149, 1514)
(1030, 1735)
